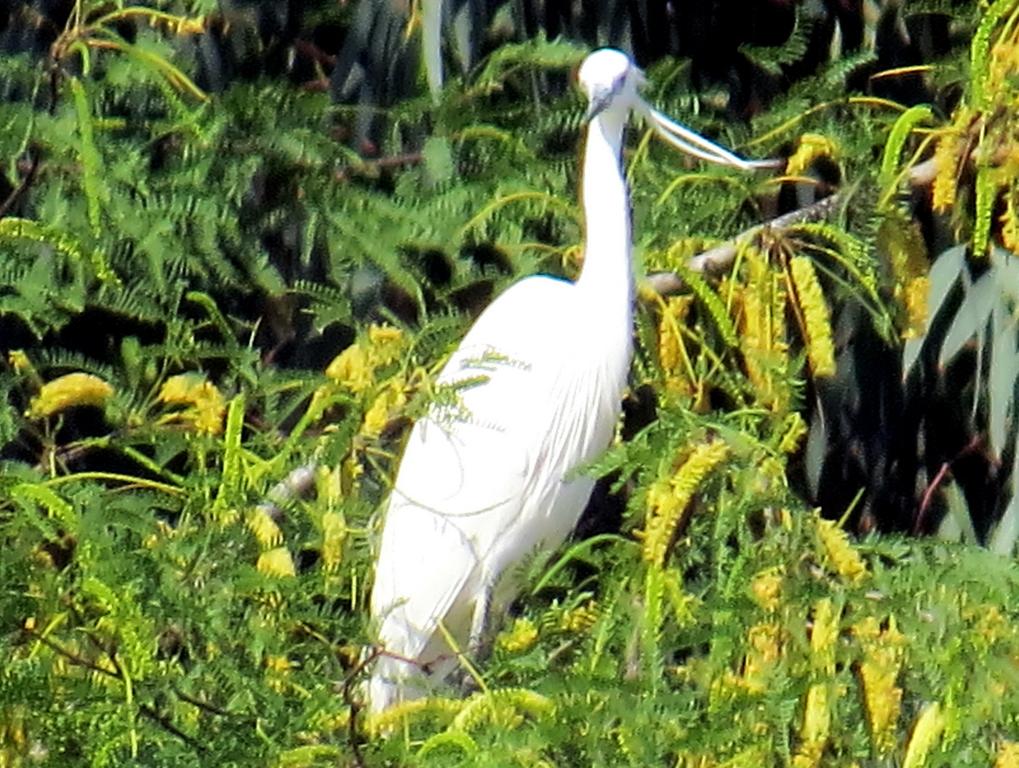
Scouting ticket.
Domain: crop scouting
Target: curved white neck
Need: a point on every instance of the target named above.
(607, 274)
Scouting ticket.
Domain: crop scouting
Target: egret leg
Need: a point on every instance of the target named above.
(479, 621)
(477, 642)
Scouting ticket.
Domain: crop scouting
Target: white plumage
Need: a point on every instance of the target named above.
(544, 369)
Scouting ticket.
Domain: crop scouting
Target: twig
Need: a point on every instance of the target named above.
(146, 710)
(205, 706)
(71, 656)
(721, 256)
(313, 52)
(945, 470)
(355, 707)
(165, 723)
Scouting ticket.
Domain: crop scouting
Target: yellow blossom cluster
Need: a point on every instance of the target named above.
(68, 391)
(765, 649)
(387, 404)
(811, 147)
(667, 500)
(671, 352)
(579, 619)
(816, 318)
(276, 562)
(883, 655)
(842, 556)
(334, 534)
(520, 637)
(264, 528)
(763, 330)
(355, 366)
(926, 734)
(766, 588)
(277, 670)
(817, 705)
(205, 404)
(1008, 755)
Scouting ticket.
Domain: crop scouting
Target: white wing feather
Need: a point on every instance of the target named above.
(476, 494)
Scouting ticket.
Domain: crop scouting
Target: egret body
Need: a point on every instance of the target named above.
(540, 379)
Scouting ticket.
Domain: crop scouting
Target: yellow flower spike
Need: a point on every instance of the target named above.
(816, 318)
(879, 670)
(1009, 221)
(279, 664)
(842, 556)
(334, 534)
(350, 367)
(69, 391)
(765, 649)
(796, 429)
(409, 710)
(386, 344)
(815, 729)
(762, 330)
(811, 146)
(521, 636)
(207, 406)
(823, 636)
(580, 619)
(385, 407)
(947, 156)
(926, 734)
(1008, 755)
(670, 345)
(766, 588)
(276, 562)
(277, 668)
(19, 361)
(667, 502)
(915, 299)
(264, 528)
(505, 708)
(355, 366)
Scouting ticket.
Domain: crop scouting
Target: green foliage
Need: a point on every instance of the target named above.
(180, 262)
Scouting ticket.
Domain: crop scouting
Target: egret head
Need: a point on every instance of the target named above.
(609, 78)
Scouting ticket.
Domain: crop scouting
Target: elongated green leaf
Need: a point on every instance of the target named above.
(714, 304)
(55, 506)
(233, 468)
(907, 121)
(91, 163)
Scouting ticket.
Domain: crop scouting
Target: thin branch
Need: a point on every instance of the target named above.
(721, 256)
(355, 706)
(165, 723)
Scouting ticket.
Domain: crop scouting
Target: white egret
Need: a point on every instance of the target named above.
(483, 485)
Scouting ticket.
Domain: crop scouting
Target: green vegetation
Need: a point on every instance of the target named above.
(204, 287)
